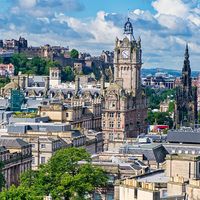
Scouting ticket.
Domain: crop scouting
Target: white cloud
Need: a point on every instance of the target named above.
(171, 7)
(27, 4)
(104, 31)
(163, 33)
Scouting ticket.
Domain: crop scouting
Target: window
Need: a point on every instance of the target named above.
(67, 115)
(173, 151)
(186, 152)
(42, 160)
(112, 114)
(111, 124)
(111, 136)
(43, 146)
(180, 151)
(199, 167)
(193, 152)
(104, 124)
(33, 160)
(118, 125)
(33, 146)
(118, 115)
(118, 136)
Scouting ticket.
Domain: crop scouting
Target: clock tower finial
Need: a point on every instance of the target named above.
(128, 29)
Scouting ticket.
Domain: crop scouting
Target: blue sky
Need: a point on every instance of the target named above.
(92, 26)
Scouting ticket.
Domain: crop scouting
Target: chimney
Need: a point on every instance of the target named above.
(27, 81)
(46, 83)
(102, 81)
(77, 85)
(22, 82)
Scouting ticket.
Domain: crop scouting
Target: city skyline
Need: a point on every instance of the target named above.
(164, 26)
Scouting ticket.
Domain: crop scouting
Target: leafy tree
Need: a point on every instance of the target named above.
(68, 74)
(18, 193)
(156, 96)
(37, 65)
(4, 81)
(61, 177)
(160, 118)
(74, 53)
(171, 106)
(19, 61)
(1, 60)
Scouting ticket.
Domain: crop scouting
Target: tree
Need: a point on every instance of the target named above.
(74, 53)
(37, 66)
(160, 118)
(4, 81)
(19, 61)
(61, 177)
(68, 74)
(171, 106)
(1, 60)
(18, 193)
(156, 96)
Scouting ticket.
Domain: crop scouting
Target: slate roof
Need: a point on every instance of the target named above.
(13, 143)
(2, 149)
(189, 137)
(151, 152)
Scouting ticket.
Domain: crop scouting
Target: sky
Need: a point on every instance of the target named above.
(165, 26)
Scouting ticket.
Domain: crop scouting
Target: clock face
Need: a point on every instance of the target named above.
(125, 54)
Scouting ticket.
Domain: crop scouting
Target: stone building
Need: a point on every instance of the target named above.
(55, 76)
(47, 138)
(124, 101)
(16, 156)
(189, 165)
(186, 97)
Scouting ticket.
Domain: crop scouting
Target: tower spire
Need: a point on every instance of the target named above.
(186, 52)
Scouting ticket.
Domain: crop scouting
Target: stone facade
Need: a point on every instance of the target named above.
(189, 165)
(124, 102)
(16, 156)
(55, 76)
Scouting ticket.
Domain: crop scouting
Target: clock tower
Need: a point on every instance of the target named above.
(124, 104)
(127, 60)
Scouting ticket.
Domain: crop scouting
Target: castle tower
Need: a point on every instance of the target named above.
(186, 97)
(127, 60)
(124, 104)
(55, 76)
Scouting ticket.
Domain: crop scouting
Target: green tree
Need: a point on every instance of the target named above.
(36, 66)
(171, 106)
(68, 74)
(156, 96)
(1, 60)
(61, 177)
(20, 62)
(19, 193)
(161, 118)
(4, 81)
(74, 53)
